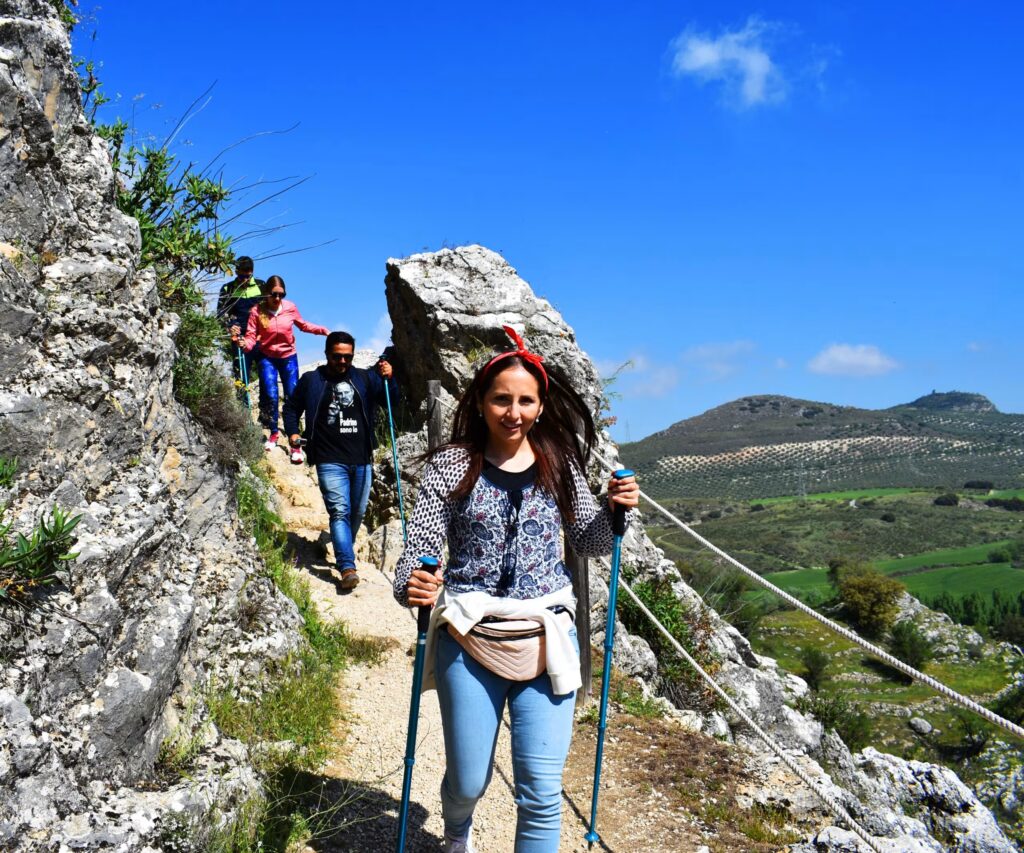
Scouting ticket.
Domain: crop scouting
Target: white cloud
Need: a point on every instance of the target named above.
(381, 336)
(719, 360)
(976, 346)
(736, 58)
(852, 360)
(638, 376)
(608, 368)
(655, 382)
(781, 364)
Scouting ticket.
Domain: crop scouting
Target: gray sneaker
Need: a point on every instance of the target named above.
(462, 844)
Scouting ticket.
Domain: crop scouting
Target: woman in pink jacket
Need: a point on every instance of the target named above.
(270, 326)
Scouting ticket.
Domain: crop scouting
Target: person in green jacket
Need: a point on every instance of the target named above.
(235, 301)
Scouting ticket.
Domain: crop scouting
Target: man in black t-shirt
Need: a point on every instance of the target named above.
(339, 403)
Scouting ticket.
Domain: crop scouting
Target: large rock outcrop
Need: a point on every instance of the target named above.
(86, 406)
(448, 308)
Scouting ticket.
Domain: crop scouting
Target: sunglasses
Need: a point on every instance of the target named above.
(276, 294)
(340, 356)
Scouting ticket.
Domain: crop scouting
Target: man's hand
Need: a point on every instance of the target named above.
(235, 331)
(293, 440)
(384, 369)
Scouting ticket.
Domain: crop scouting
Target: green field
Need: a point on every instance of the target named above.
(959, 571)
(872, 687)
(959, 581)
(853, 494)
(963, 580)
(1006, 493)
(946, 557)
(802, 583)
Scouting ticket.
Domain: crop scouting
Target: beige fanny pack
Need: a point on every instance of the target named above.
(512, 648)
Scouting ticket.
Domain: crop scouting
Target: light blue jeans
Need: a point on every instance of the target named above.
(346, 489)
(472, 699)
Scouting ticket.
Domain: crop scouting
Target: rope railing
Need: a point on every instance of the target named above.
(827, 799)
(847, 634)
(884, 656)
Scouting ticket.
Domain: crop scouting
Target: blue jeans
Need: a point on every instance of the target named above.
(472, 699)
(270, 368)
(346, 489)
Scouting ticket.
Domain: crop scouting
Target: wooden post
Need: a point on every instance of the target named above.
(580, 572)
(435, 414)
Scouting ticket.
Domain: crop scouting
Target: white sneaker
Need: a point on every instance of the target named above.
(271, 443)
(296, 455)
(462, 844)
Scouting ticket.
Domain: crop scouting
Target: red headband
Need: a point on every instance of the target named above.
(522, 352)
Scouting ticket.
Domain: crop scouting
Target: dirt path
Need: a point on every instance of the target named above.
(364, 778)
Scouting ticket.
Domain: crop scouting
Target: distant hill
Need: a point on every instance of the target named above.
(771, 445)
(953, 401)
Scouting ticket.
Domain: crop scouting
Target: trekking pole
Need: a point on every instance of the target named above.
(618, 529)
(422, 621)
(394, 454)
(243, 371)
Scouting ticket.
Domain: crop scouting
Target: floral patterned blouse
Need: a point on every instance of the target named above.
(492, 546)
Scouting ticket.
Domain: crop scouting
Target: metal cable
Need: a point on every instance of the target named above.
(833, 805)
(853, 637)
(830, 802)
(872, 649)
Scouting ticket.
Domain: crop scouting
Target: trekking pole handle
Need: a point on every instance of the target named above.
(429, 564)
(619, 513)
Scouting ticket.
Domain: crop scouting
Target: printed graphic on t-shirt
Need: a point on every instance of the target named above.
(342, 434)
(342, 397)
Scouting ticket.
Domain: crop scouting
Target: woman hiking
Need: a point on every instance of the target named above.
(270, 328)
(501, 492)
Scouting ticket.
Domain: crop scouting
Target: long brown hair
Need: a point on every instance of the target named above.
(555, 438)
(264, 312)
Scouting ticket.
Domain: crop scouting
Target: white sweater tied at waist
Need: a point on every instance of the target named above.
(464, 610)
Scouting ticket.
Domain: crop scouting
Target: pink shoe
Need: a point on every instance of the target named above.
(271, 442)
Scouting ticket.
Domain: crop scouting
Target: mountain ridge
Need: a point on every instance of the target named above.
(941, 438)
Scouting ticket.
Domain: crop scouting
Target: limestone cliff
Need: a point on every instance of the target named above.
(86, 406)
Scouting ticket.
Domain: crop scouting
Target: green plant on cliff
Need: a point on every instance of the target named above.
(67, 17)
(8, 471)
(30, 564)
(604, 418)
(691, 627)
(179, 208)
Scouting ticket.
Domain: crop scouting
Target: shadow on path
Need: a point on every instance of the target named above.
(310, 556)
(352, 817)
(584, 822)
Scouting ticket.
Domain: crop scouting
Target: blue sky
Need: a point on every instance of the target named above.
(823, 200)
